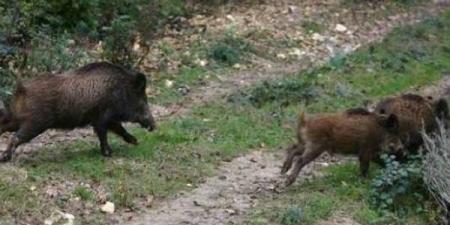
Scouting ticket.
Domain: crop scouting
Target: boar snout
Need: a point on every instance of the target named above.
(147, 121)
(148, 124)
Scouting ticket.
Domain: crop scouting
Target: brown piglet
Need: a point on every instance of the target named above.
(355, 131)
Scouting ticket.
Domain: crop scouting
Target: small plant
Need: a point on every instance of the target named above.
(312, 26)
(292, 216)
(224, 53)
(229, 49)
(288, 91)
(83, 193)
(399, 187)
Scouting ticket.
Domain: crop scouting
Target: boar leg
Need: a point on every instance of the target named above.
(24, 134)
(101, 131)
(309, 155)
(118, 129)
(364, 162)
(292, 152)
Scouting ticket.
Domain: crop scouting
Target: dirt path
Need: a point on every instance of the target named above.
(237, 186)
(223, 198)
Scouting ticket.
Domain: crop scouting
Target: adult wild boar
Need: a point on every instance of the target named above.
(99, 94)
(415, 113)
(355, 131)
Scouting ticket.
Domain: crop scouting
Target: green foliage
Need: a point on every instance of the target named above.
(229, 49)
(312, 26)
(83, 193)
(119, 41)
(292, 216)
(399, 187)
(54, 54)
(301, 89)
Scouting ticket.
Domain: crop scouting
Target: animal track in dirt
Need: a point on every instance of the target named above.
(234, 189)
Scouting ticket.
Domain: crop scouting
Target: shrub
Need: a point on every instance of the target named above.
(287, 91)
(399, 187)
(54, 54)
(437, 166)
(229, 48)
(292, 216)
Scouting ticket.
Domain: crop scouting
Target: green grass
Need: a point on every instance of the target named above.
(180, 152)
(341, 190)
(185, 150)
(185, 80)
(83, 193)
(411, 57)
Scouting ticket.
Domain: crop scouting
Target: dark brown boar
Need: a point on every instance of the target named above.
(99, 94)
(415, 113)
(356, 131)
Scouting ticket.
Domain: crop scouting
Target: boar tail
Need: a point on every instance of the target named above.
(301, 119)
(20, 89)
(300, 125)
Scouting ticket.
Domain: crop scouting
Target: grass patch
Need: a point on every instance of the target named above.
(408, 58)
(180, 152)
(341, 190)
(181, 83)
(229, 49)
(83, 193)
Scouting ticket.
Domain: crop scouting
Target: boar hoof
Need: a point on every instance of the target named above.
(106, 152)
(132, 140)
(290, 180)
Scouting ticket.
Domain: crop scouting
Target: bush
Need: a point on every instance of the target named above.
(399, 188)
(292, 216)
(229, 49)
(287, 91)
(437, 166)
(54, 55)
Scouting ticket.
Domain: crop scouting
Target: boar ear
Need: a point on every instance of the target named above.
(441, 108)
(390, 122)
(140, 82)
